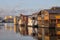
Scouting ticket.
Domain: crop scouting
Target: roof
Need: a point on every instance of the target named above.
(56, 8)
(53, 10)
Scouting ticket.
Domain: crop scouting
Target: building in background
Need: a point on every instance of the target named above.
(9, 19)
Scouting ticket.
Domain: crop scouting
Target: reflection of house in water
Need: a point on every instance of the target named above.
(48, 19)
(26, 22)
(8, 27)
(23, 22)
(15, 28)
(43, 21)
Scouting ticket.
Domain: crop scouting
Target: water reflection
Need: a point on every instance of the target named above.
(20, 29)
(7, 27)
(14, 32)
(17, 32)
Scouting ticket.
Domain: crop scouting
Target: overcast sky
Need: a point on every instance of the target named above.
(28, 4)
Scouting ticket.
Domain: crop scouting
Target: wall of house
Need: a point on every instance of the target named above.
(30, 21)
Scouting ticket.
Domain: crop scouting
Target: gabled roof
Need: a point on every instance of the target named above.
(58, 8)
(53, 10)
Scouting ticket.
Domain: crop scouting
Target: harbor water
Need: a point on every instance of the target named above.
(8, 32)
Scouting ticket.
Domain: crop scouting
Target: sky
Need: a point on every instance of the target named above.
(28, 4)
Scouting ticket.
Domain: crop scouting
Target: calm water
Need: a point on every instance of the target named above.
(8, 32)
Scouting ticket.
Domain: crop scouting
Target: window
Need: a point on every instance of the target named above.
(58, 20)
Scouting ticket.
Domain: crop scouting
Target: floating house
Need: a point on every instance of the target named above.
(50, 19)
